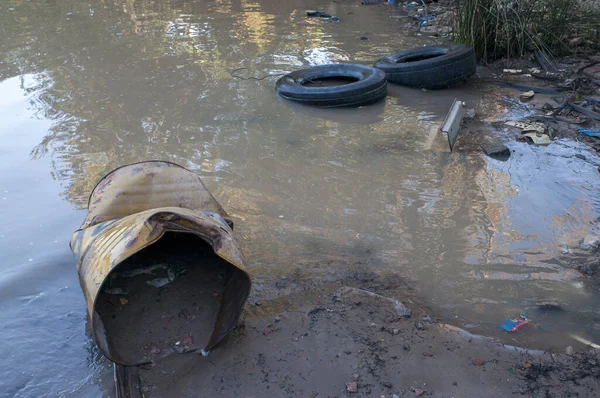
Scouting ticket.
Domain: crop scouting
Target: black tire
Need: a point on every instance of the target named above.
(432, 67)
(370, 85)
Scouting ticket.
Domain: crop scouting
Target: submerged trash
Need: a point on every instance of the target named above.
(511, 325)
(586, 342)
(549, 305)
(321, 14)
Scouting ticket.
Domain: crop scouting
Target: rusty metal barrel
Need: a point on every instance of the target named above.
(158, 264)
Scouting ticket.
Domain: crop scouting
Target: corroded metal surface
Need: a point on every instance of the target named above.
(132, 208)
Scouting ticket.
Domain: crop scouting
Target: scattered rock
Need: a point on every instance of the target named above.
(527, 365)
(497, 151)
(419, 325)
(363, 38)
(478, 362)
(419, 392)
(387, 384)
(395, 396)
(576, 41)
(123, 300)
(589, 243)
(454, 383)
(402, 310)
(352, 387)
(527, 95)
(427, 354)
(580, 156)
(569, 350)
(395, 331)
(295, 338)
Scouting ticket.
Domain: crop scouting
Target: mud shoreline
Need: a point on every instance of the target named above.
(320, 342)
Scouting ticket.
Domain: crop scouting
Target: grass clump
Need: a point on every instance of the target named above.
(512, 28)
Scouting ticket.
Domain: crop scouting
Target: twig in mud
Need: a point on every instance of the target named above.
(232, 73)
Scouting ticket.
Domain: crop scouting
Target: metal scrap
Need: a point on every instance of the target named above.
(452, 122)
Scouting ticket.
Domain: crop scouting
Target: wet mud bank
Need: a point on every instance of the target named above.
(341, 341)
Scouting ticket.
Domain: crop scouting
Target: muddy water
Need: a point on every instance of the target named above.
(317, 195)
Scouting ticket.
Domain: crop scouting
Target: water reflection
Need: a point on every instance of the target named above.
(324, 193)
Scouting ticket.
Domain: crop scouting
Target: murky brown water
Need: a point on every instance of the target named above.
(318, 195)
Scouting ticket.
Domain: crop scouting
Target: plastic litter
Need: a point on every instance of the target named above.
(511, 325)
(590, 132)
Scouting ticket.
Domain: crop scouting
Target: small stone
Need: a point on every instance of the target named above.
(576, 41)
(497, 151)
(419, 325)
(527, 365)
(295, 338)
(527, 95)
(364, 38)
(589, 242)
(569, 350)
(427, 354)
(419, 392)
(123, 300)
(395, 331)
(188, 340)
(352, 387)
(580, 156)
(387, 384)
(454, 383)
(478, 362)
(395, 396)
(355, 377)
(277, 319)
